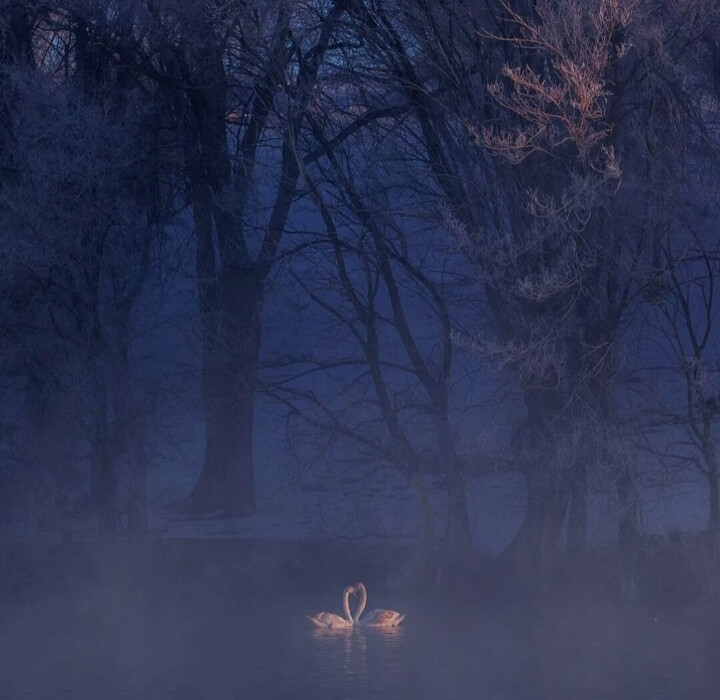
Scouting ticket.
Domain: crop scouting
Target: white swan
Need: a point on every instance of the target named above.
(331, 620)
(375, 618)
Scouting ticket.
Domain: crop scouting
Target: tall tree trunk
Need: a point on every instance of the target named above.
(531, 554)
(137, 505)
(243, 295)
(577, 517)
(104, 488)
(230, 295)
(16, 32)
(205, 495)
(532, 551)
(628, 532)
(459, 534)
(130, 417)
(714, 516)
(15, 48)
(232, 350)
(428, 520)
(231, 283)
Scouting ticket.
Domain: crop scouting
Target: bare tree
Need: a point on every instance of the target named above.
(685, 304)
(83, 211)
(558, 208)
(382, 290)
(224, 72)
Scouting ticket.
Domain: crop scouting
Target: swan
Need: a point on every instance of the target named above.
(331, 620)
(375, 618)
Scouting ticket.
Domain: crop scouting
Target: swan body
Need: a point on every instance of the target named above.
(382, 618)
(332, 621)
(375, 618)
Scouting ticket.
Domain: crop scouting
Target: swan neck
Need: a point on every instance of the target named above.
(346, 606)
(363, 603)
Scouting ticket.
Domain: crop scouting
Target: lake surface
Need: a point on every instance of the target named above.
(124, 644)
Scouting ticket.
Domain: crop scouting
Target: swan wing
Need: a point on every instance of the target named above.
(328, 620)
(382, 618)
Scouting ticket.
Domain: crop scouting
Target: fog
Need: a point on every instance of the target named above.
(298, 295)
(188, 620)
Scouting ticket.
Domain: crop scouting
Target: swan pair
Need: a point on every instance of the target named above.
(375, 618)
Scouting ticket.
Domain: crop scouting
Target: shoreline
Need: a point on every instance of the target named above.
(673, 569)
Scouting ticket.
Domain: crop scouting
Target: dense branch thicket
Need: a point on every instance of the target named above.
(518, 192)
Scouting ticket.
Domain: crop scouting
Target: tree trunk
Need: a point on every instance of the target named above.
(714, 517)
(428, 520)
(531, 554)
(227, 481)
(230, 380)
(231, 284)
(236, 446)
(459, 535)
(532, 551)
(577, 518)
(231, 290)
(242, 302)
(103, 476)
(16, 33)
(15, 49)
(628, 533)
(137, 506)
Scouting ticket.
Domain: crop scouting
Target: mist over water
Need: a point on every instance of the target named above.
(121, 644)
(421, 293)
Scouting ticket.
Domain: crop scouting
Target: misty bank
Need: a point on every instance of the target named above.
(674, 569)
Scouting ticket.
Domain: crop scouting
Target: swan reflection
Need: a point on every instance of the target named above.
(389, 635)
(345, 647)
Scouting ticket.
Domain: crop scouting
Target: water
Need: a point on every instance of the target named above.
(123, 644)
